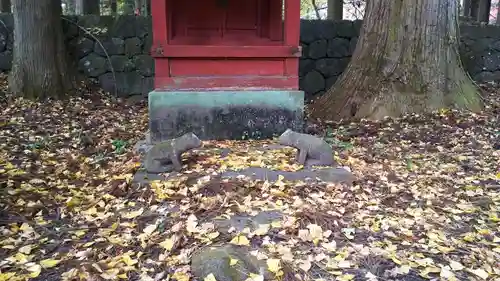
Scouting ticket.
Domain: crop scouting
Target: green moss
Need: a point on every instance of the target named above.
(468, 97)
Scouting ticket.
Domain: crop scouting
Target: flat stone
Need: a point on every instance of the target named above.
(145, 65)
(241, 221)
(333, 175)
(215, 260)
(338, 48)
(93, 65)
(133, 46)
(126, 83)
(313, 82)
(83, 46)
(118, 62)
(113, 46)
(143, 177)
(317, 49)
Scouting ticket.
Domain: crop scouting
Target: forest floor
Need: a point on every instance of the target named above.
(425, 205)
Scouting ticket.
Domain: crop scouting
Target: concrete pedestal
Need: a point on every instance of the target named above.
(219, 115)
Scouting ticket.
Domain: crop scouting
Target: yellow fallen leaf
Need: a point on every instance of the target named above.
(262, 229)
(330, 246)
(149, 229)
(110, 274)
(240, 240)
(25, 227)
(255, 277)
(180, 276)
(48, 263)
(344, 264)
(128, 260)
(21, 258)
(276, 224)
(191, 223)
(169, 243)
(210, 277)
(34, 270)
(305, 265)
(446, 273)
(273, 265)
(6, 276)
(456, 265)
(213, 235)
(315, 231)
(480, 273)
(232, 261)
(133, 214)
(345, 277)
(122, 276)
(26, 249)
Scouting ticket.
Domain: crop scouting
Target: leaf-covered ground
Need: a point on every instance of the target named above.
(426, 204)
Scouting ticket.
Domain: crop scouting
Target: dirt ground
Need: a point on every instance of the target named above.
(425, 205)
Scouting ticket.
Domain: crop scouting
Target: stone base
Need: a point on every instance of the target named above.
(219, 115)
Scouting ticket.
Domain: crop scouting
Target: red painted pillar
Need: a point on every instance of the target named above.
(292, 34)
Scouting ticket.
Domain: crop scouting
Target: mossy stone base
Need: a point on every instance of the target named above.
(219, 115)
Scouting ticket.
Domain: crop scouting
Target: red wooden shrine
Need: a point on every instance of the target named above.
(226, 44)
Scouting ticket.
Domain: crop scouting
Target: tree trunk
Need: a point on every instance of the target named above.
(498, 13)
(406, 60)
(466, 8)
(147, 8)
(138, 7)
(40, 67)
(88, 7)
(5, 6)
(474, 9)
(335, 9)
(113, 6)
(484, 11)
(128, 7)
(70, 7)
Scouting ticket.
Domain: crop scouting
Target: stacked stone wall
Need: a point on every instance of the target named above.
(114, 51)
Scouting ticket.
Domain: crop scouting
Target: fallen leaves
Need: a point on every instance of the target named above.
(426, 205)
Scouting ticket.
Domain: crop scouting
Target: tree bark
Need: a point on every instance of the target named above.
(335, 9)
(138, 7)
(128, 7)
(113, 6)
(474, 10)
(6, 6)
(466, 8)
(70, 7)
(498, 13)
(484, 11)
(40, 67)
(88, 7)
(406, 61)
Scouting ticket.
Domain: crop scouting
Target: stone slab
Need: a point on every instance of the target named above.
(220, 115)
(333, 175)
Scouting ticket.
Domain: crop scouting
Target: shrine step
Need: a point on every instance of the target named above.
(219, 115)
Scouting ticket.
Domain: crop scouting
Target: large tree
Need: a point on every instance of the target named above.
(5, 6)
(335, 9)
(40, 67)
(87, 7)
(406, 60)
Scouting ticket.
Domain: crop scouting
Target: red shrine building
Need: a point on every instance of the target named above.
(219, 62)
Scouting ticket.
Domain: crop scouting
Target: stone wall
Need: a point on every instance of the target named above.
(98, 44)
(328, 46)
